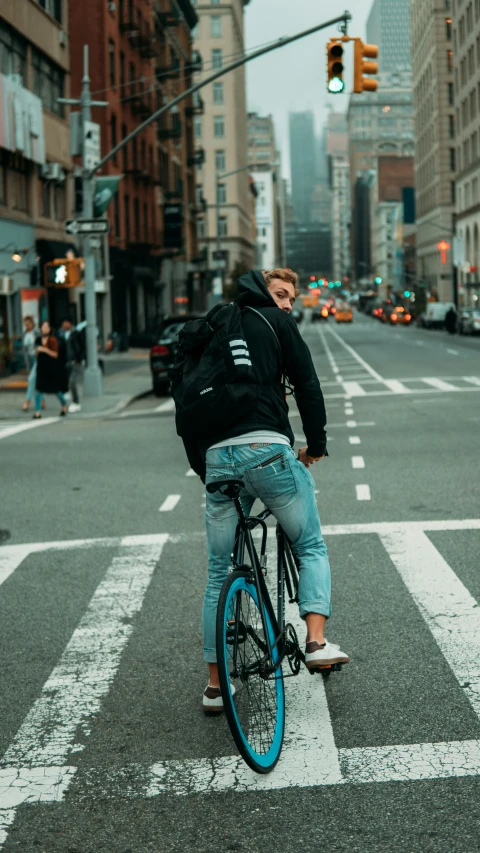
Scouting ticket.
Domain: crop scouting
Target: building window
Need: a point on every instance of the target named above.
(45, 199)
(452, 192)
(452, 159)
(218, 126)
(450, 60)
(222, 226)
(53, 7)
(3, 177)
(450, 94)
(136, 219)
(111, 62)
(220, 161)
(217, 58)
(48, 81)
(122, 70)
(200, 228)
(197, 127)
(218, 93)
(116, 215)
(199, 193)
(448, 29)
(132, 79)
(263, 155)
(451, 126)
(59, 202)
(215, 26)
(19, 170)
(215, 2)
(13, 52)
(126, 209)
(145, 222)
(221, 194)
(125, 149)
(113, 134)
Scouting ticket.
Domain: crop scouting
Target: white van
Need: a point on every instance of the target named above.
(435, 314)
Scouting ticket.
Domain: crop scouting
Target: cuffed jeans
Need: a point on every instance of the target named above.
(39, 395)
(287, 488)
(32, 379)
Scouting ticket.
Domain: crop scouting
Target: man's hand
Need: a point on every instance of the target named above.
(307, 460)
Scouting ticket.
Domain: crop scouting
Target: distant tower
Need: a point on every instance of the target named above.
(302, 163)
(388, 26)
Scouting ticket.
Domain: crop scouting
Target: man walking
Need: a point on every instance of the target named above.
(74, 355)
(258, 450)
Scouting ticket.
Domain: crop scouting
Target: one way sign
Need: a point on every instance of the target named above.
(87, 226)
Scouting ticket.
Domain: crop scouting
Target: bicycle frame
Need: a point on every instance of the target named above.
(287, 576)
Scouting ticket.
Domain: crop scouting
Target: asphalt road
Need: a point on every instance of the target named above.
(102, 571)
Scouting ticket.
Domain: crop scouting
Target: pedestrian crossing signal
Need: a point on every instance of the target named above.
(335, 80)
(64, 272)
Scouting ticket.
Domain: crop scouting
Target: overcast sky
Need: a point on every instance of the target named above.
(294, 77)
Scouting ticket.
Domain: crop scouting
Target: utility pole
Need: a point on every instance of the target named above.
(92, 380)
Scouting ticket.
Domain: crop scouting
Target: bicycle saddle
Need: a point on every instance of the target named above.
(230, 488)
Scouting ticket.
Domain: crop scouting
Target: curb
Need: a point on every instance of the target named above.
(119, 407)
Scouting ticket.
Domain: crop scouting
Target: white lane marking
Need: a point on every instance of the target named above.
(354, 389)
(165, 407)
(452, 351)
(396, 386)
(354, 439)
(450, 611)
(358, 462)
(59, 721)
(190, 473)
(357, 357)
(11, 559)
(474, 380)
(169, 503)
(363, 493)
(21, 427)
(351, 424)
(440, 384)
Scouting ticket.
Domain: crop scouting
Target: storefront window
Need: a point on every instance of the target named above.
(13, 52)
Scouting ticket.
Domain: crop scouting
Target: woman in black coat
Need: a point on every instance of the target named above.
(50, 379)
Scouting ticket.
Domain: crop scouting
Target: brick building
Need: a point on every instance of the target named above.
(142, 58)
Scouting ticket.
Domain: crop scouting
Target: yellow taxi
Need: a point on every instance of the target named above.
(400, 315)
(343, 314)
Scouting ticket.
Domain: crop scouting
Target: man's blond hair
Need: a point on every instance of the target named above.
(284, 275)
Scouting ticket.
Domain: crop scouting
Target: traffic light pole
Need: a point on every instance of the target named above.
(92, 379)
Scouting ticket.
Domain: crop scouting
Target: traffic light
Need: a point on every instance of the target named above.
(335, 82)
(378, 279)
(362, 53)
(406, 294)
(64, 272)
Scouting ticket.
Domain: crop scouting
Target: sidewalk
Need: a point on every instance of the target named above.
(127, 376)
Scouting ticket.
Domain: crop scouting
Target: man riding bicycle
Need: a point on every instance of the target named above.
(258, 450)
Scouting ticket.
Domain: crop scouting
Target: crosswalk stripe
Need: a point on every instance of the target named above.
(473, 380)
(396, 386)
(5, 432)
(169, 503)
(363, 492)
(354, 389)
(440, 384)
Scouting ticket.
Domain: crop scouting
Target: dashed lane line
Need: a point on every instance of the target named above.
(169, 503)
(358, 462)
(354, 439)
(363, 492)
(452, 351)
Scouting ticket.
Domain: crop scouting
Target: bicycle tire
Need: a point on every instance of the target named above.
(256, 715)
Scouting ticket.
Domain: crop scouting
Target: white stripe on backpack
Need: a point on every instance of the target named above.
(243, 361)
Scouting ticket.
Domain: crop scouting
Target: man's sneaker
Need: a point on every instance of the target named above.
(325, 654)
(74, 407)
(213, 701)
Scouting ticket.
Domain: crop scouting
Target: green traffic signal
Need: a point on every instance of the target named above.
(406, 293)
(378, 280)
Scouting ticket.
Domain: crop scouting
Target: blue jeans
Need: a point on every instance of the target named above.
(288, 489)
(32, 379)
(39, 395)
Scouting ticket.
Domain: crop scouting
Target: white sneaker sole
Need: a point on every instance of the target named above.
(322, 662)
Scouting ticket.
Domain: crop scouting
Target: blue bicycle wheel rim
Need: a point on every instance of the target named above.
(269, 758)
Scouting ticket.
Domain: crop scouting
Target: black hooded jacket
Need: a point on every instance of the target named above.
(271, 412)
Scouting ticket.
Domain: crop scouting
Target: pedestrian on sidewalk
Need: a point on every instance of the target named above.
(451, 321)
(74, 354)
(50, 379)
(29, 337)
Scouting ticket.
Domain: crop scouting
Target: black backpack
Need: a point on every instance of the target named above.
(214, 379)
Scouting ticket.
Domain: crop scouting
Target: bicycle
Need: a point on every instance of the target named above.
(253, 642)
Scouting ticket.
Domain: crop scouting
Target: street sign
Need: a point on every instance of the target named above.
(87, 226)
(91, 144)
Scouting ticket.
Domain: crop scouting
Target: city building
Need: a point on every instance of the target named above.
(391, 221)
(223, 180)
(265, 166)
(309, 250)
(302, 163)
(388, 26)
(466, 124)
(36, 190)
(380, 124)
(141, 58)
(435, 147)
(339, 195)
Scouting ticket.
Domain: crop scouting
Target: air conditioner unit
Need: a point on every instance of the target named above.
(112, 6)
(62, 38)
(6, 285)
(56, 173)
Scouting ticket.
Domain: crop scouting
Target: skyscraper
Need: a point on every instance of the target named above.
(302, 163)
(388, 26)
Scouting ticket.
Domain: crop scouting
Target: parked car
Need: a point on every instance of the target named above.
(435, 314)
(469, 321)
(297, 314)
(163, 352)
